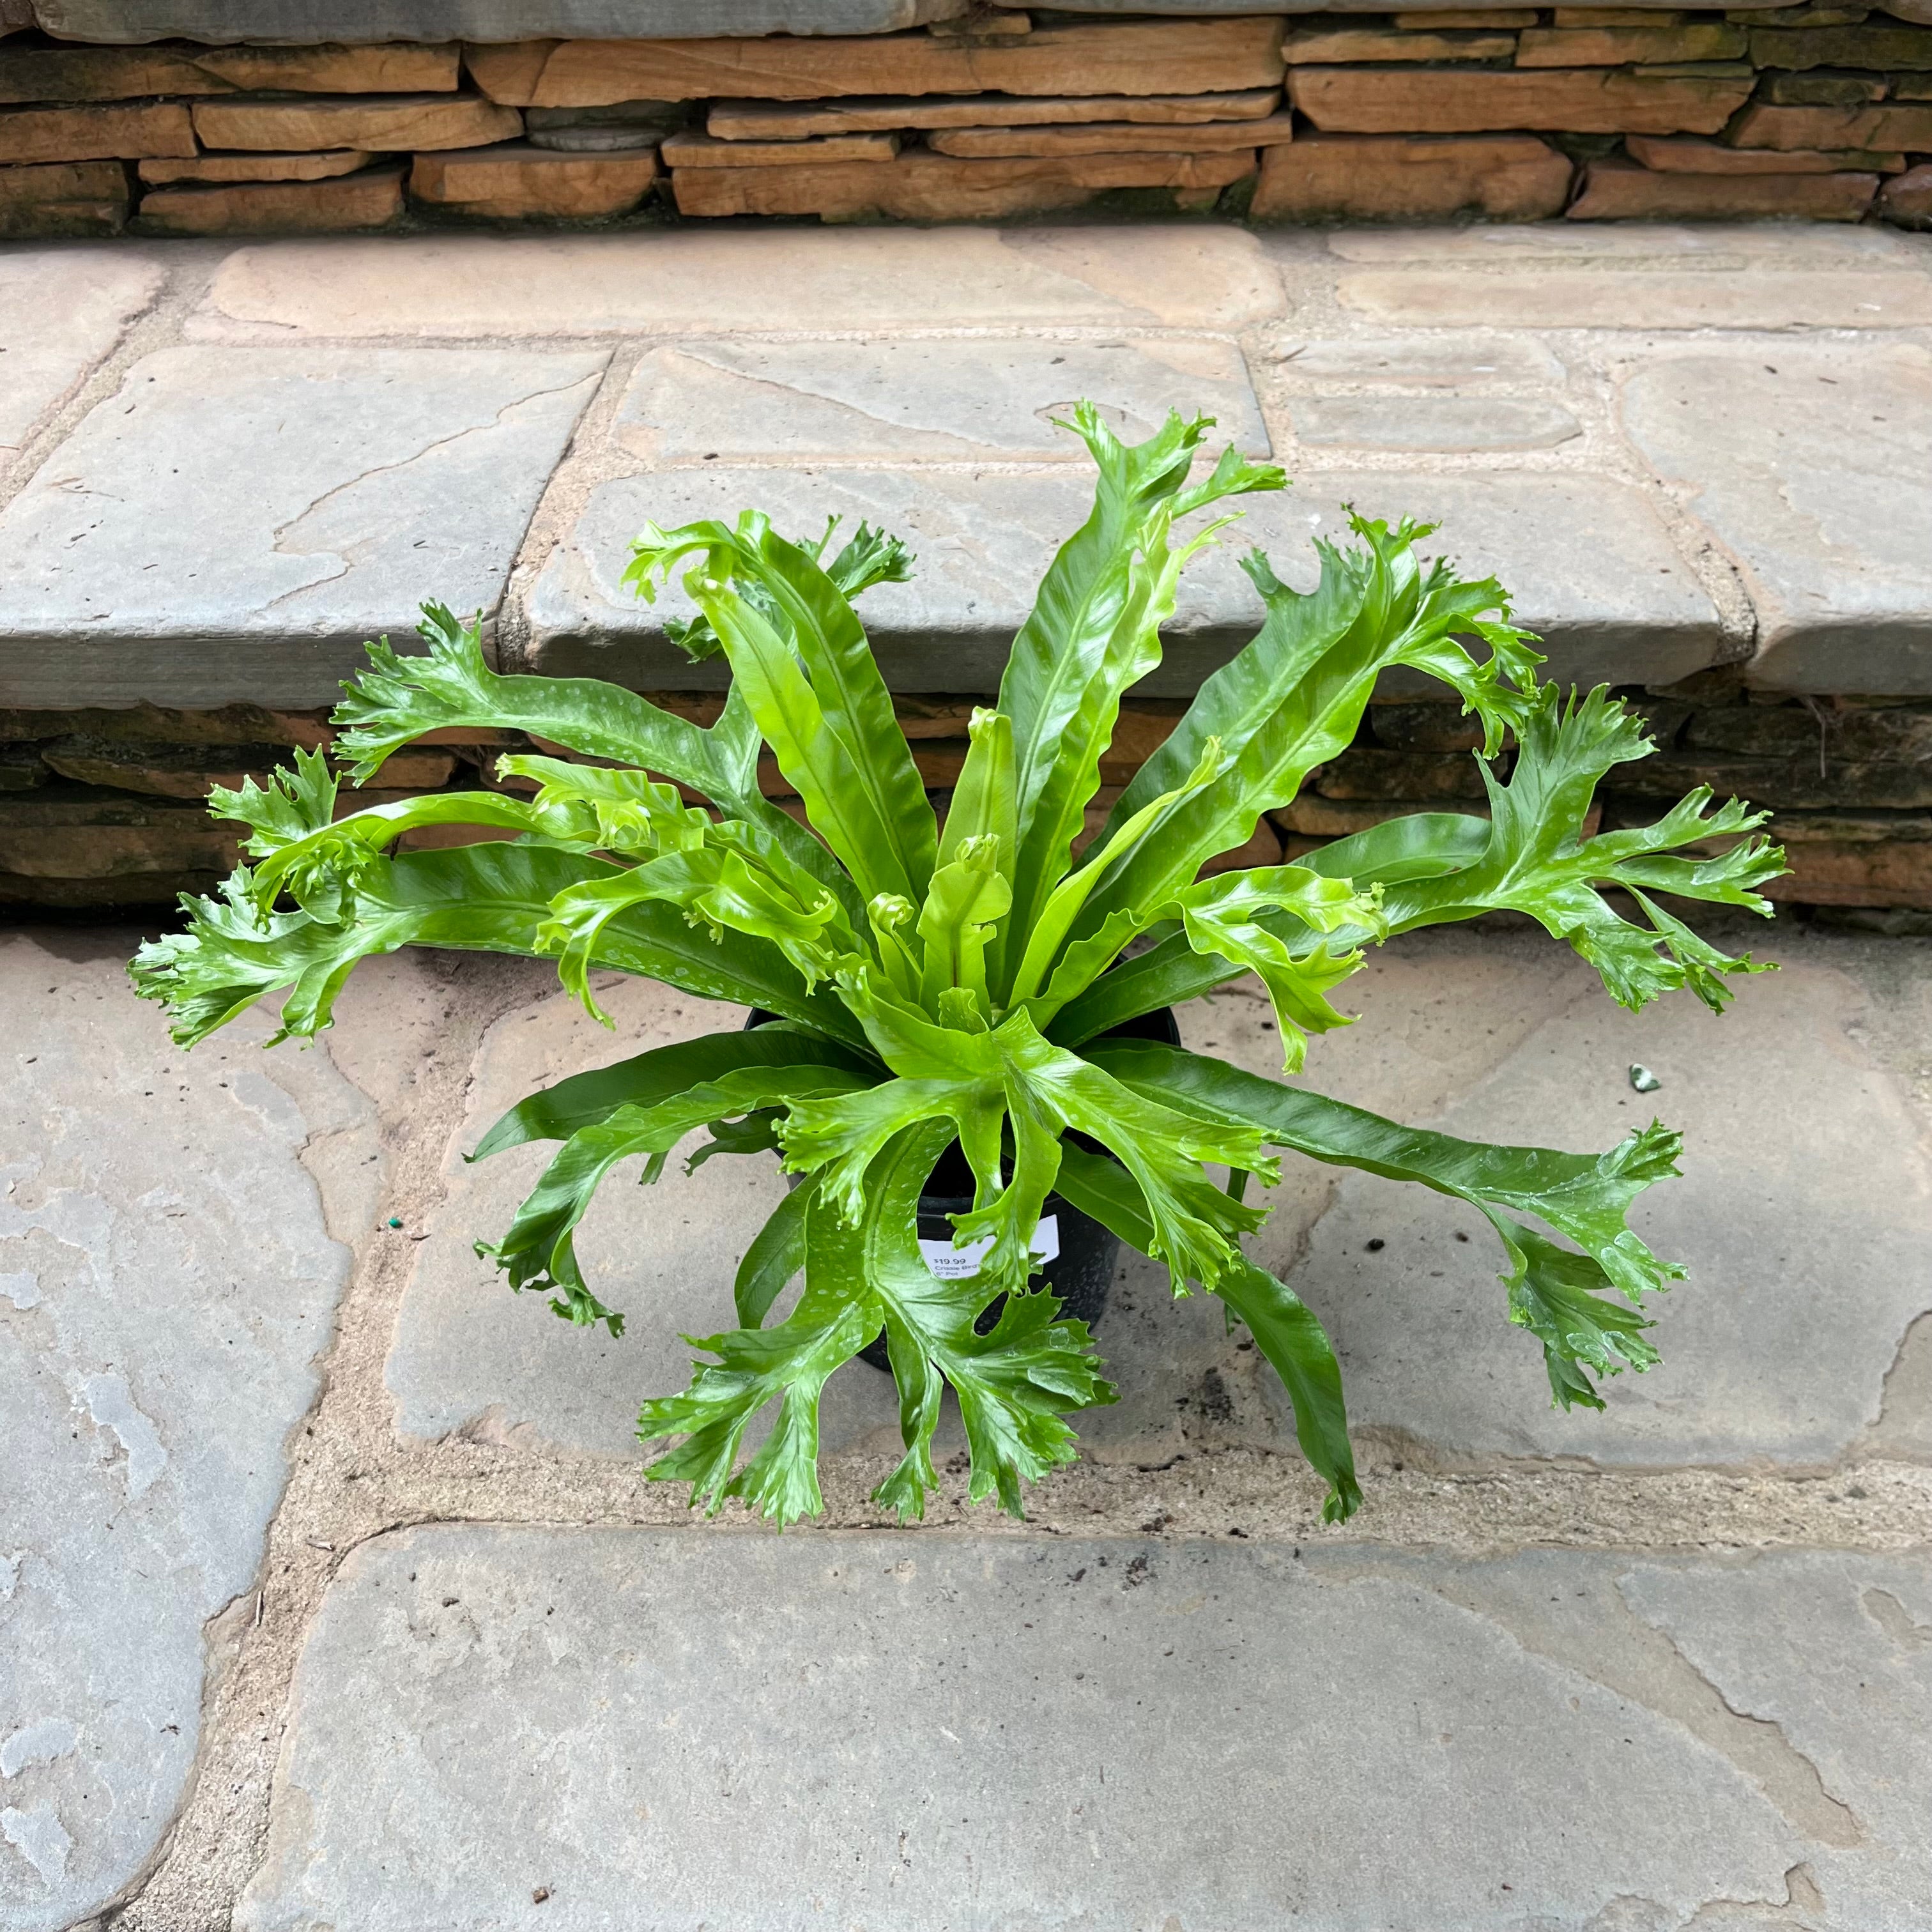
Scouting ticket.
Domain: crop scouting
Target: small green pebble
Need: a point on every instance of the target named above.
(1643, 1080)
(394, 1222)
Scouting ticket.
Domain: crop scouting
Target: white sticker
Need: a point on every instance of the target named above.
(951, 1264)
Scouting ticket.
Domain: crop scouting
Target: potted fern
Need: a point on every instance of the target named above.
(973, 985)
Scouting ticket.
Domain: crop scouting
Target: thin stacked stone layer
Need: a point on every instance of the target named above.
(1815, 110)
(104, 807)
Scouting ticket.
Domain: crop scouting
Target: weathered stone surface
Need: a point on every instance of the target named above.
(1617, 191)
(63, 198)
(516, 181)
(375, 122)
(118, 74)
(918, 186)
(1638, 277)
(1591, 566)
(61, 311)
(1424, 361)
(1689, 157)
(985, 397)
(1613, 45)
(69, 832)
(1885, 125)
(1803, 1246)
(255, 167)
(1855, 858)
(791, 121)
(1580, 100)
(1821, 90)
(1299, 1712)
(689, 150)
(1313, 46)
(1883, 44)
(168, 1272)
(1123, 57)
(94, 133)
(1372, 177)
(292, 503)
(1908, 200)
(188, 772)
(1112, 138)
(367, 199)
(1432, 422)
(360, 21)
(1364, 771)
(1805, 467)
(1208, 277)
(1479, 17)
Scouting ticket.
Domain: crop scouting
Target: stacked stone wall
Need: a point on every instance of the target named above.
(104, 808)
(1812, 111)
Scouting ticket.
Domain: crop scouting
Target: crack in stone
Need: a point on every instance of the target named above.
(348, 560)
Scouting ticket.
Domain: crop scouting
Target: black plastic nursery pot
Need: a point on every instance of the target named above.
(1081, 1254)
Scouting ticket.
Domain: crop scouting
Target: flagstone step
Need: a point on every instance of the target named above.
(495, 1727)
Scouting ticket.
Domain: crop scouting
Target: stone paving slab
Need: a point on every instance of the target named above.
(60, 314)
(1809, 467)
(303, 21)
(896, 400)
(660, 1729)
(1592, 566)
(889, 280)
(168, 1277)
(230, 515)
(1803, 1214)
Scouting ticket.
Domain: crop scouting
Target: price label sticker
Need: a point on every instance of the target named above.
(951, 1264)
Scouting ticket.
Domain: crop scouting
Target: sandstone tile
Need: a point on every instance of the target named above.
(1301, 1711)
(1856, 858)
(896, 401)
(292, 503)
(1821, 90)
(1799, 1236)
(1880, 44)
(516, 181)
(1615, 190)
(1432, 422)
(1685, 156)
(357, 21)
(368, 198)
(1373, 177)
(1114, 137)
(1120, 57)
(1590, 564)
(62, 312)
(790, 121)
(688, 150)
(1147, 276)
(1888, 124)
(1580, 100)
(134, 846)
(1652, 245)
(94, 133)
(63, 198)
(1424, 361)
(168, 1274)
(1806, 467)
(255, 167)
(918, 186)
(1704, 298)
(1615, 45)
(1908, 200)
(118, 73)
(1310, 46)
(376, 121)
